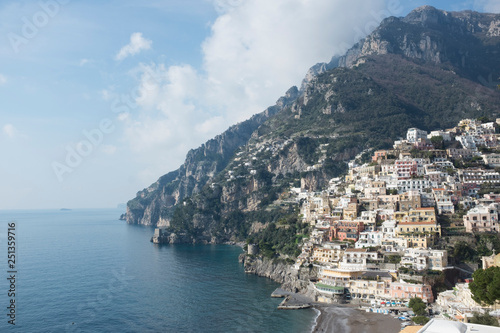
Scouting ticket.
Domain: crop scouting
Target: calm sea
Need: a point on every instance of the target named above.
(85, 271)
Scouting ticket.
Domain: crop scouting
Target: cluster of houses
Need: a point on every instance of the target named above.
(379, 223)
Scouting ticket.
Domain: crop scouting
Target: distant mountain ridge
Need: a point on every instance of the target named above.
(427, 70)
(429, 34)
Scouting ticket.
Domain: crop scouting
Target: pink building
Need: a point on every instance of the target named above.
(379, 154)
(406, 168)
(492, 196)
(405, 291)
(482, 219)
(346, 230)
(423, 144)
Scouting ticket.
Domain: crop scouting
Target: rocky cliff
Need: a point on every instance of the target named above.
(297, 281)
(151, 205)
(465, 40)
(426, 70)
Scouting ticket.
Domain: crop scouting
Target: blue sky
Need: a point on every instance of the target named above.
(100, 98)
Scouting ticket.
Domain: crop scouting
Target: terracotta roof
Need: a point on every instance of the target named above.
(411, 329)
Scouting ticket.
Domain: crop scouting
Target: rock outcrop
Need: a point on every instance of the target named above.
(433, 36)
(425, 70)
(292, 280)
(200, 167)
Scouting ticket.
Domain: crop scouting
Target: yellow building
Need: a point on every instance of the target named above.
(491, 261)
(351, 212)
(399, 216)
(424, 214)
(327, 256)
(419, 233)
(369, 289)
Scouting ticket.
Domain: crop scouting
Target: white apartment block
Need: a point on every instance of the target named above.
(458, 301)
(394, 244)
(413, 134)
(356, 259)
(445, 135)
(405, 185)
(491, 160)
(479, 176)
(467, 141)
(420, 259)
(369, 238)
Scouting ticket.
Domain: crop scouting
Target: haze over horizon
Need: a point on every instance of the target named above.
(98, 100)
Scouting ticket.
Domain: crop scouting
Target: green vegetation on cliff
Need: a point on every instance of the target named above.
(281, 237)
(238, 179)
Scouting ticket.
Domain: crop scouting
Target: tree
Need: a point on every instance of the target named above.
(484, 119)
(391, 191)
(393, 259)
(463, 252)
(488, 187)
(483, 319)
(486, 243)
(420, 320)
(417, 305)
(485, 287)
(437, 142)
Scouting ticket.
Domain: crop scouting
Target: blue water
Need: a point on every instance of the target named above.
(85, 271)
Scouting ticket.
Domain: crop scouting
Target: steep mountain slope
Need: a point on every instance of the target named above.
(426, 70)
(467, 41)
(201, 165)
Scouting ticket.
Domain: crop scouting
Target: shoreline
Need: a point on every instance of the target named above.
(350, 319)
(345, 318)
(315, 322)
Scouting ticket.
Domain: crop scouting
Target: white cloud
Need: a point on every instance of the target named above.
(106, 94)
(489, 6)
(83, 62)
(256, 51)
(3, 79)
(108, 149)
(493, 6)
(136, 45)
(124, 116)
(9, 130)
(167, 100)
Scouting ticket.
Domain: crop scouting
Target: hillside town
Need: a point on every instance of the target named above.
(378, 238)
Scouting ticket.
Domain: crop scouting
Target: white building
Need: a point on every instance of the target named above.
(445, 135)
(420, 259)
(356, 259)
(369, 238)
(388, 228)
(405, 185)
(491, 160)
(421, 162)
(467, 141)
(436, 325)
(414, 134)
